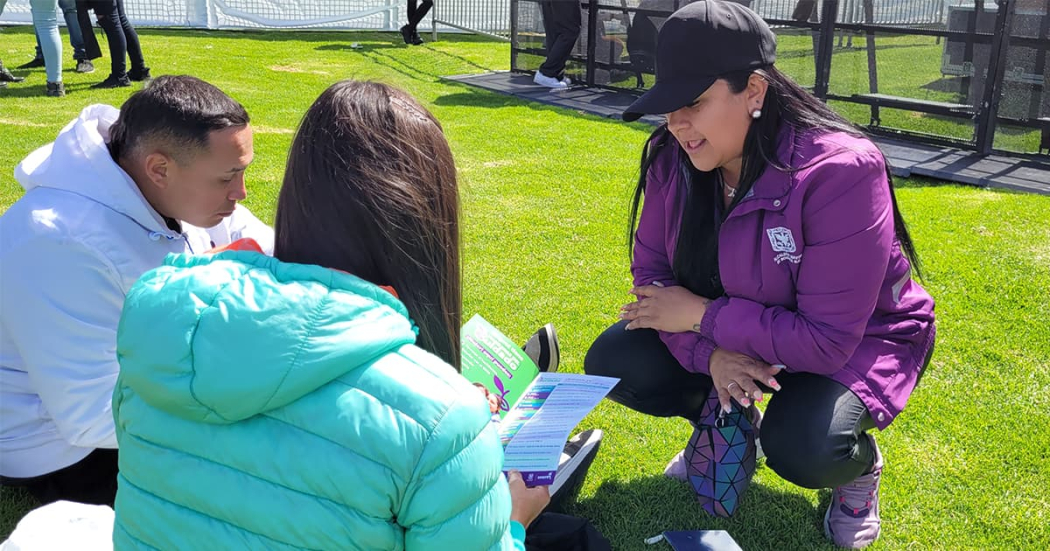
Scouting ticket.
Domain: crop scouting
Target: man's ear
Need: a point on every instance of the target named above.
(158, 167)
(756, 91)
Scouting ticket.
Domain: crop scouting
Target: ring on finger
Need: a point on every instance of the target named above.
(730, 385)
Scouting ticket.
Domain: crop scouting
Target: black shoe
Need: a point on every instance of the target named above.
(406, 33)
(35, 63)
(113, 81)
(416, 39)
(6, 76)
(542, 348)
(576, 459)
(85, 66)
(55, 90)
(139, 75)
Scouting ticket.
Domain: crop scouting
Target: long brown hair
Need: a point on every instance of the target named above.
(370, 189)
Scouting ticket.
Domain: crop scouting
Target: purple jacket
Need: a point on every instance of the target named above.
(813, 275)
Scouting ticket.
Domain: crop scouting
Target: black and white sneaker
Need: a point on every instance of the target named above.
(55, 90)
(542, 348)
(113, 81)
(576, 460)
(6, 76)
(139, 75)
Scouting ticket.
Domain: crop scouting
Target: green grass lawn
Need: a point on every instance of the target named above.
(545, 197)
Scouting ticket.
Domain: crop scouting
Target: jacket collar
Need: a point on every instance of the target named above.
(770, 191)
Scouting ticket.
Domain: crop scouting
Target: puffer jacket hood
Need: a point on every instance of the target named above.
(78, 161)
(225, 340)
(268, 405)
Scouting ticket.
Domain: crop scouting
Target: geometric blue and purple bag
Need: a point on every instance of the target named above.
(720, 457)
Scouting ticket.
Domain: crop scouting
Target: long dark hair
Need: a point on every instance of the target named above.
(785, 103)
(370, 189)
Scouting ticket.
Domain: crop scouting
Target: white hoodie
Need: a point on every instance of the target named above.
(70, 249)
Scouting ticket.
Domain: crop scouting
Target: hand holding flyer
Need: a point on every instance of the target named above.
(538, 410)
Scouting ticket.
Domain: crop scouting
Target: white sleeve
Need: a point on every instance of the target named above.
(61, 305)
(244, 224)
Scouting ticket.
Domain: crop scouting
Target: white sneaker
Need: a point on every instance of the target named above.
(566, 81)
(542, 348)
(549, 82)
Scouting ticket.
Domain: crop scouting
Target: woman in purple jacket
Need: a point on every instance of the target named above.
(770, 255)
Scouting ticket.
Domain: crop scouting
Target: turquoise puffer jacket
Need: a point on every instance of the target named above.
(266, 405)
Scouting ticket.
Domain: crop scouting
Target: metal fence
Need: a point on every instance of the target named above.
(965, 73)
(486, 17)
(891, 12)
(384, 15)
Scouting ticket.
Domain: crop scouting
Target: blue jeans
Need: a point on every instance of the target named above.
(45, 22)
(76, 37)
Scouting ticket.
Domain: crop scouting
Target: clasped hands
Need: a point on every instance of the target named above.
(673, 309)
(677, 310)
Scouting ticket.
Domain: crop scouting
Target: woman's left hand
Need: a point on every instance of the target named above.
(671, 309)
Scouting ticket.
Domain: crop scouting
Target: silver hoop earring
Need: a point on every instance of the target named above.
(756, 114)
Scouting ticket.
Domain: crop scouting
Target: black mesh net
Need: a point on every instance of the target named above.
(921, 67)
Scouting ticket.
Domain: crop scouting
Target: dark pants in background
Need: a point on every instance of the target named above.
(417, 13)
(122, 38)
(87, 31)
(562, 20)
(812, 431)
(91, 480)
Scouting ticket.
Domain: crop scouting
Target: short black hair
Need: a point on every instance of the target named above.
(178, 111)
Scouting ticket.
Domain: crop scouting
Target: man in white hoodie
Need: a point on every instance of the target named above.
(105, 202)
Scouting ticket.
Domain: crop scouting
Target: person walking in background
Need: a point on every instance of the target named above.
(6, 76)
(561, 25)
(45, 23)
(123, 43)
(416, 14)
(92, 50)
(76, 41)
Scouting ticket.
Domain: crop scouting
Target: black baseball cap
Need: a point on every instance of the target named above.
(698, 44)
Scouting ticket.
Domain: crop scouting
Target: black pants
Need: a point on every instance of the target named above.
(123, 40)
(417, 13)
(813, 429)
(561, 25)
(87, 30)
(558, 532)
(91, 480)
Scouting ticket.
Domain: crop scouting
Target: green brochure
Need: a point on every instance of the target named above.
(490, 358)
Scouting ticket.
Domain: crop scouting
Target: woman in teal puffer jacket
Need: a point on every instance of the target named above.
(292, 402)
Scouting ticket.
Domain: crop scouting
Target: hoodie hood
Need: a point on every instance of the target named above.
(221, 338)
(78, 161)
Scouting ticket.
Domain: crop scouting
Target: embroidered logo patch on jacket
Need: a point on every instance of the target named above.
(783, 242)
